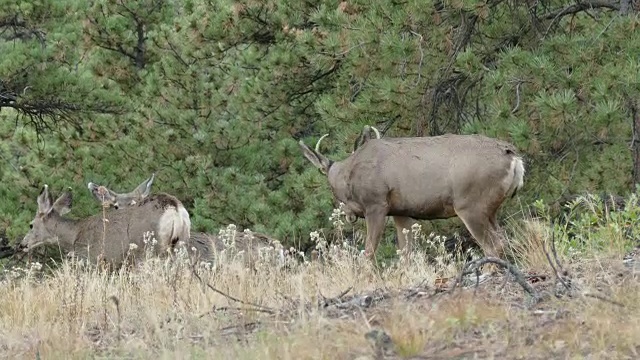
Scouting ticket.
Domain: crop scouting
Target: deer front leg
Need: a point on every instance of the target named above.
(375, 226)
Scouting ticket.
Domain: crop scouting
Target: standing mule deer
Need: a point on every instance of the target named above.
(109, 235)
(426, 178)
(205, 245)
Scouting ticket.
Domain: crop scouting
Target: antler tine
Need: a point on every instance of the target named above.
(319, 141)
(376, 131)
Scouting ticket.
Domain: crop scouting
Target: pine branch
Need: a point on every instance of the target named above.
(21, 30)
(582, 6)
(47, 113)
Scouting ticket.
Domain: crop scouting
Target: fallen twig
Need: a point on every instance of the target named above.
(604, 298)
(338, 299)
(258, 307)
(419, 290)
(236, 329)
(473, 267)
(230, 308)
(359, 301)
(557, 262)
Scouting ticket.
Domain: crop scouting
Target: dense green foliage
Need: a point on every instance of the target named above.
(213, 95)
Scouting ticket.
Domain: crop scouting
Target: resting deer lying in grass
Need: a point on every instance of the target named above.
(426, 178)
(206, 245)
(107, 236)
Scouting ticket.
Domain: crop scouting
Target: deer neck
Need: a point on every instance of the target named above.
(66, 230)
(339, 179)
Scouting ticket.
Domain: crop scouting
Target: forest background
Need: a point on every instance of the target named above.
(213, 96)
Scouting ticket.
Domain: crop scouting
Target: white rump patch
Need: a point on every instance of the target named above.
(515, 177)
(169, 222)
(186, 222)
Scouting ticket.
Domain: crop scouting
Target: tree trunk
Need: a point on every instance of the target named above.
(635, 143)
(625, 6)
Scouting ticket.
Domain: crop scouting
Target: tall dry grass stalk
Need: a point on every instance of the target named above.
(272, 308)
(159, 306)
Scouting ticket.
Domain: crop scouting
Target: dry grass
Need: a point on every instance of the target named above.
(161, 309)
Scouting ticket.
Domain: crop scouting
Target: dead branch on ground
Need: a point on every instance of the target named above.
(335, 300)
(603, 298)
(555, 264)
(473, 267)
(229, 297)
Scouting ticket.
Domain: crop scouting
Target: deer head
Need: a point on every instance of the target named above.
(109, 198)
(42, 227)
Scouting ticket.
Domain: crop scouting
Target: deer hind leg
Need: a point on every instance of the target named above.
(485, 230)
(375, 226)
(404, 241)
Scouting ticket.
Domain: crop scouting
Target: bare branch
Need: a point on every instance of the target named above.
(582, 6)
(474, 266)
(555, 16)
(604, 298)
(557, 262)
(515, 108)
(20, 28)
(45, 111)
(419, 71)
(258, 307)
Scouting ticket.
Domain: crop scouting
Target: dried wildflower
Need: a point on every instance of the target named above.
(336, 215)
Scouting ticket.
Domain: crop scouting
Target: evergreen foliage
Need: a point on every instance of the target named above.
(213, 95)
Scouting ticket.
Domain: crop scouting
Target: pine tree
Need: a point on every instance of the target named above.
(214, 95)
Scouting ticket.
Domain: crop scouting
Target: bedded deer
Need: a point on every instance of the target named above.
(108, 235)
(425, 178)
(206, 245)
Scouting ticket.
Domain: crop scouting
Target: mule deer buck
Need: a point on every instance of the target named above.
(206, 245)
(109, 235)
(425, 178)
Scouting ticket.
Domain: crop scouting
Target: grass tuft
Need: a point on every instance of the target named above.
(339, 306)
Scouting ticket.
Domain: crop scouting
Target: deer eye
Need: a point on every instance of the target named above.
(30, 226)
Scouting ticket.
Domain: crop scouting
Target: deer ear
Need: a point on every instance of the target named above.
(144, 188)
(368, 133)
(359, 141)
(44, 200)
(63, 203)
(318, 160)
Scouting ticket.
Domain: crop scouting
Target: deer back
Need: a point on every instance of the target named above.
(421, 174)
(117, 234)
(208, 246)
